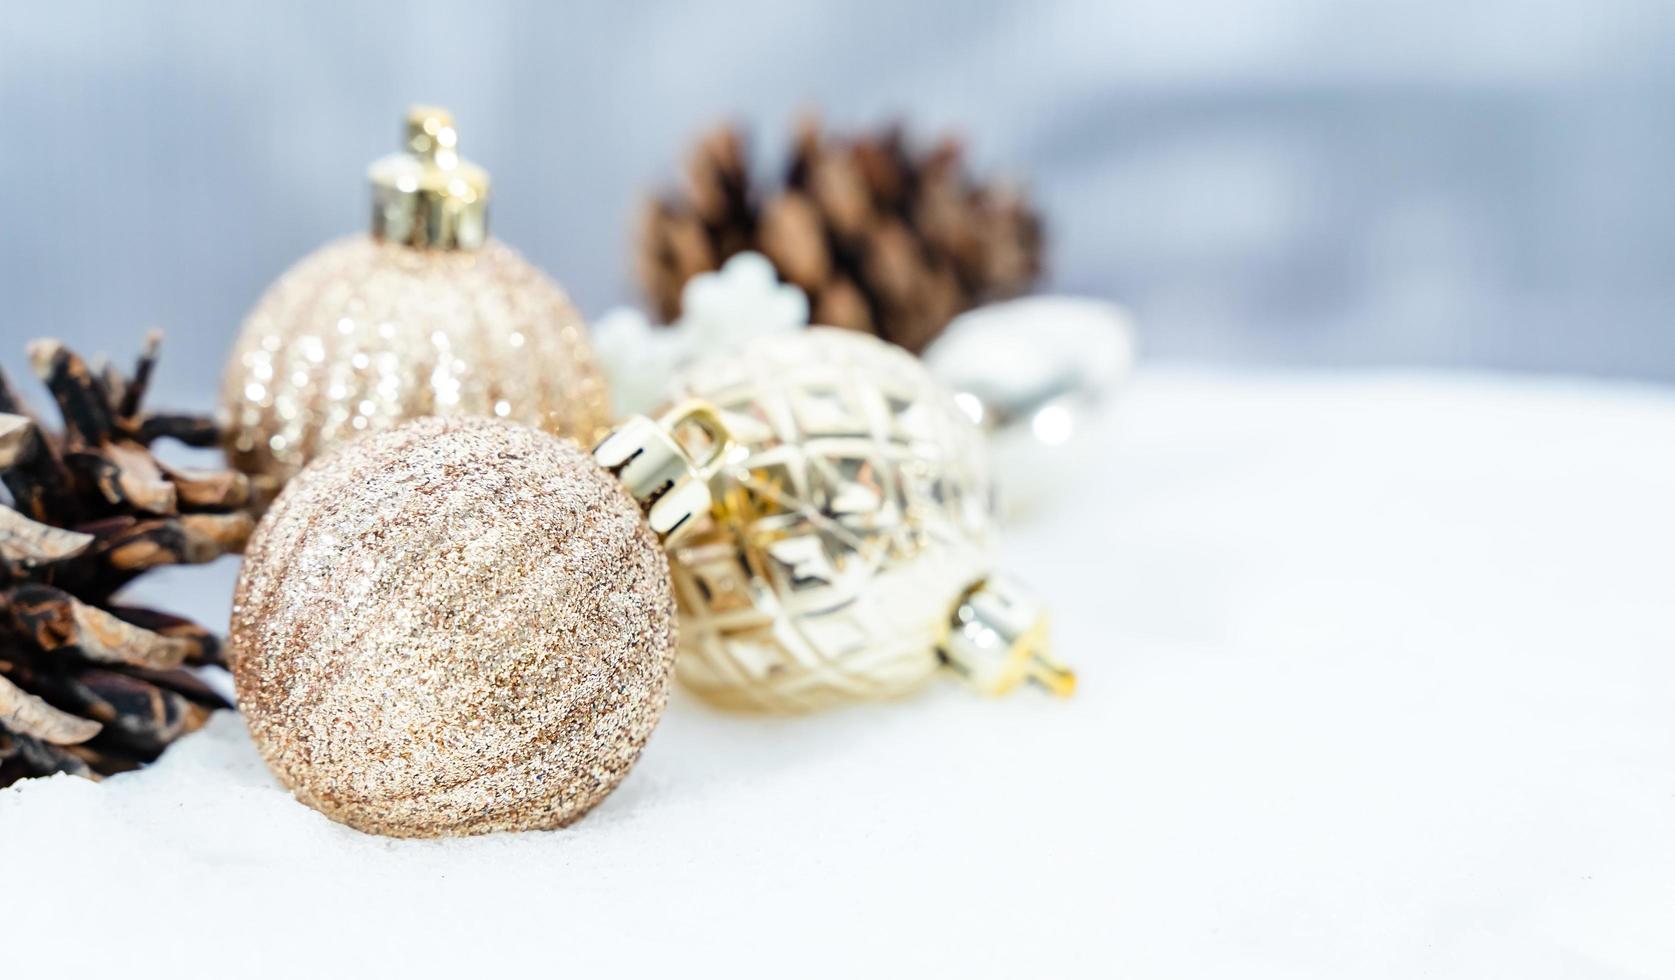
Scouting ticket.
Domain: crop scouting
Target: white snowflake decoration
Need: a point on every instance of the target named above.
(743, 301)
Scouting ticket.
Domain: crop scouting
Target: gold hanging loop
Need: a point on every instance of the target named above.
(650, 460)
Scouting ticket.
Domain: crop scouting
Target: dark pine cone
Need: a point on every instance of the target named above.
(88, 686)
(881, 238)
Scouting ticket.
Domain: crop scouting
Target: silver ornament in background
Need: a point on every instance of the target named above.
(1040, 375)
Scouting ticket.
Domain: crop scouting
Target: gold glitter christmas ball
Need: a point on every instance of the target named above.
(425, 316)
(455, 626)
(850, 556)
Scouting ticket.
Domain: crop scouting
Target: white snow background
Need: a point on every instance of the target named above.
(1378, 680)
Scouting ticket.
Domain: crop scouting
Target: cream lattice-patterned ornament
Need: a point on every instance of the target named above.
(848, 558)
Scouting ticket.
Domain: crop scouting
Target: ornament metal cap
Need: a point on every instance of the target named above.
(997, 638)
(651, 461)
(427, 196)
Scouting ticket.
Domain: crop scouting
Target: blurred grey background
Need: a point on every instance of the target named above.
(1309, 182)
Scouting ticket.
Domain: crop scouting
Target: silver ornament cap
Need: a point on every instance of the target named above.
(997, 639)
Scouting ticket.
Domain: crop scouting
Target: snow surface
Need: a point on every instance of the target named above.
(1378, 680)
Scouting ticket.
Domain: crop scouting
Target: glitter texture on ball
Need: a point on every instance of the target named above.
(455, 626)
(363, 334)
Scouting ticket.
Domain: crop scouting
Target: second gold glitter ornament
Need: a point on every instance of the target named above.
(426, 315)
(460, 626)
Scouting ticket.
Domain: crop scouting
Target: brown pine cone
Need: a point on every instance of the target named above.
(88, 685)
(881, 238)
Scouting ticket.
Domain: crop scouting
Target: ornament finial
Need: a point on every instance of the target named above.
(430, 130)
(427, 195)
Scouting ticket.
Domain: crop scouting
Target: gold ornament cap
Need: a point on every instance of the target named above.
(427, 195)
(997, 638)
(651, 461)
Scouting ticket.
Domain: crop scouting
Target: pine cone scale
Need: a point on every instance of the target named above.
(794, 242)
(31, 544)
(140, 717)
(54, 620)
(22, 756)
(17, 438)
(31, 715)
